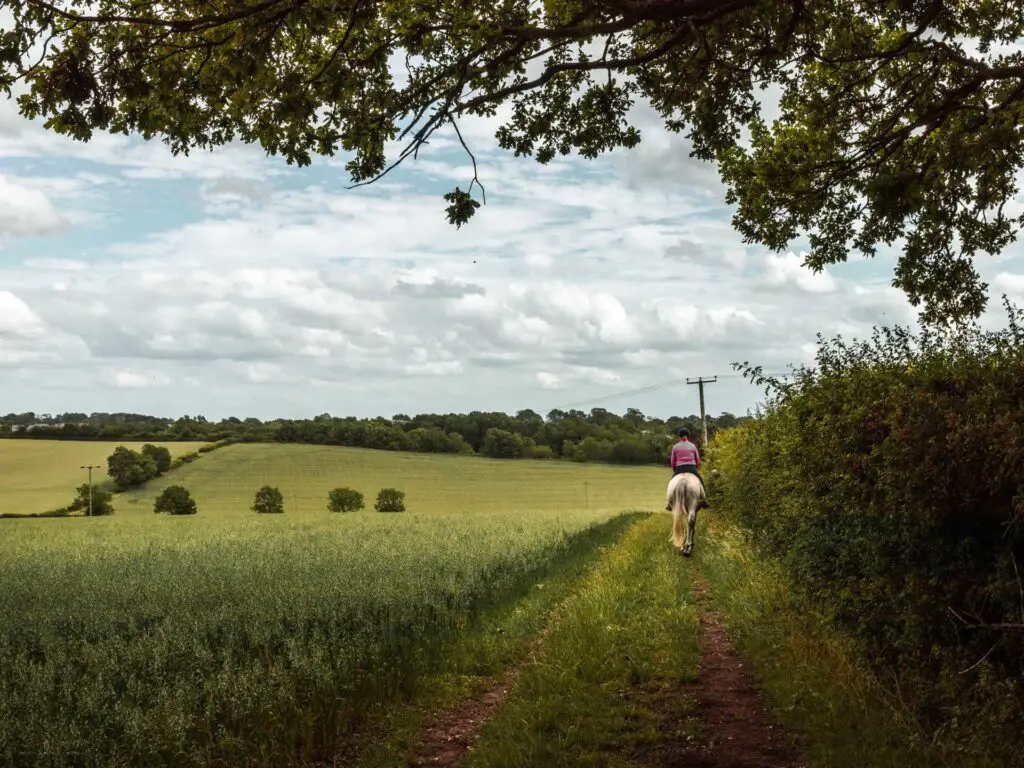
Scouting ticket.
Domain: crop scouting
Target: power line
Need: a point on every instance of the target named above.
(654, 388)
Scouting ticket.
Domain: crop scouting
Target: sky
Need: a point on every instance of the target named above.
(227, 283)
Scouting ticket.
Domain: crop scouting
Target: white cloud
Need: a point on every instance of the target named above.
(130, 379)
(790, 270)
(16, 319)
(26, 211)
(269, 291)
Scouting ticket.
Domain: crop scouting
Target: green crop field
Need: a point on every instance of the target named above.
(223, 483)
(232, 638)
(39, 475)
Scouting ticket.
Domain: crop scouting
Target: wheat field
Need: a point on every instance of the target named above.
(231, 638)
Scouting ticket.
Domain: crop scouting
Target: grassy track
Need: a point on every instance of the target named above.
(38, 475)
(234, 638)
(812, 677)
(608, 684)
(223, 483)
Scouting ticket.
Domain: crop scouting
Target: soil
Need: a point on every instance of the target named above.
(734, 726)
(449, 738)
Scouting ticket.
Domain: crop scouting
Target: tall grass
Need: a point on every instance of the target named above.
(249, 642)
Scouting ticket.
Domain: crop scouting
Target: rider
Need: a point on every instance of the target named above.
(686, 458)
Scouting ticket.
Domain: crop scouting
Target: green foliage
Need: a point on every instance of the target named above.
(597, 435)
(502, 444)
(161, 456)
(102, 501)
(129, 468)
(344, 500)
(820, 688)
(886, 133)
(175, 500)
(390, 500)
(888, 481)
(268, 500)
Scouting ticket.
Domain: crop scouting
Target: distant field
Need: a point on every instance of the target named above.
(39, 475)
(232, 638)
(223, 482)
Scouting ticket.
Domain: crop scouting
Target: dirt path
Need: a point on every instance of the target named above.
(449, 737)
(735, 727)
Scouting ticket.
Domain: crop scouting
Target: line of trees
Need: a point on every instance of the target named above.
(595, 435)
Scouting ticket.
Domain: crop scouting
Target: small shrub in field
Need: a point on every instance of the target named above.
(101, 501)
(268, 500)
(175, 500)
(390, 500)
(344, 500)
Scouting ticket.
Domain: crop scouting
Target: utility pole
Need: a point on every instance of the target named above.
(700, 382)
(90, 467)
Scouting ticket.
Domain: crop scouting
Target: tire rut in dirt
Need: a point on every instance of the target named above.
(735, 727)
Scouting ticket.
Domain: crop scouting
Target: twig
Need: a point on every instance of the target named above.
(979, 661)
(483, 192)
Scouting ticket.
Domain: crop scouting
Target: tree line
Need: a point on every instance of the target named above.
(597, 435)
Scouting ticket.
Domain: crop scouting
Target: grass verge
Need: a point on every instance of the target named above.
(845, 715)
(501, 639)
(608, 686)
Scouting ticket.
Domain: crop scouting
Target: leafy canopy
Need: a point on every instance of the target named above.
(899, 118)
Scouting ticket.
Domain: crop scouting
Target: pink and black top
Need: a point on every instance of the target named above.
(684, 453)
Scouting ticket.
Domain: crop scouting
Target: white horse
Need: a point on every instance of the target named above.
(684, 494)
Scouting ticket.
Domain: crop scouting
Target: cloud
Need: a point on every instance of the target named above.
(16, 319)
(26, 211)
(437, 289)
(789, 270)
(228, 283)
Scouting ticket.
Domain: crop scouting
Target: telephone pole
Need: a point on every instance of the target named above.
(90, 467)
(700, 382)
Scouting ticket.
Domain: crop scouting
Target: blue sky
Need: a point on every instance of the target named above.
(229, 283)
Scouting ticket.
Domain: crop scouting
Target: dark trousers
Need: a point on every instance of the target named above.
(691, 468)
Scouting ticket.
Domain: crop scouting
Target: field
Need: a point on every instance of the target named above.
(316, 639)
(223, 482)
(39, 475)
(234, 638)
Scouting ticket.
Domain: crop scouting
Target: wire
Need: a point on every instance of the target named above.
(654, 388)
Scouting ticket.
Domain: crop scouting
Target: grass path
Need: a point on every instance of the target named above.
(653, 660)
(608, 688)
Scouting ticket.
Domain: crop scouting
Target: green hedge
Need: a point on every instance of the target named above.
(889, 481)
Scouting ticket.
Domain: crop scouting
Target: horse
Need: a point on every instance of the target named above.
(684, 494)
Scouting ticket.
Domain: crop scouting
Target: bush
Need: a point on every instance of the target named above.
(175, 500)
(130, 468)
(161, 456)
(889, 482)
(502, 444)
(269, 500)
(344, 500)
(390, 500)
(102, 501)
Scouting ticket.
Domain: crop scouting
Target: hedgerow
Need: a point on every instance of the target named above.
(889, 480)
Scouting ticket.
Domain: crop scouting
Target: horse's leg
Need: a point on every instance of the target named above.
(677, 524)
(691, 529)
(692, 500)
